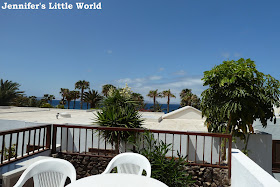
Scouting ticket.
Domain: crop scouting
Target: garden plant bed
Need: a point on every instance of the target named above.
(91, 165)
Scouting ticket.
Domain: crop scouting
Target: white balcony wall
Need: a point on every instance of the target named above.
(246, 172)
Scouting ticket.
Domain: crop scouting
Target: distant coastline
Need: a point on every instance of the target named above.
(148, 105)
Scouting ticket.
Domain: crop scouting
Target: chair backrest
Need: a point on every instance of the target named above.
(48, 173)
(131, 163)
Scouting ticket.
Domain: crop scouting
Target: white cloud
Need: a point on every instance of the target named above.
(126, 80)
(226, 54)
(175, 84)
(161, 69)
(181, 72)
(155, 78)
(237, 55)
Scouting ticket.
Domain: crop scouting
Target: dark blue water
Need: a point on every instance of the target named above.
(148, 105)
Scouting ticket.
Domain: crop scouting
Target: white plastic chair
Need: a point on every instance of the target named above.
(131, 163)
(48, 173)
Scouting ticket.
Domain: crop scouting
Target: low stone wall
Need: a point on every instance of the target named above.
(208, 176)
(85, 165)
(204, 176)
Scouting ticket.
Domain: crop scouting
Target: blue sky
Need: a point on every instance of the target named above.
(149, 44)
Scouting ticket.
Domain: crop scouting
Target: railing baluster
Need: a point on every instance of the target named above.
(23, 140)
(172, 145)
(98, 142)
(49, 135)
(195, 148)
(92, 138)
(180, 144)
(211, 149)
(67, 136)
(16, 151)
(10, 147)
(220, 151)
(143, 140)
(39, 140)
(125, 146)
(34, 142)
(73, 150)
(229, 156)
(188, 148)
(79, 140)
(3, 149)
(203, 149)
(44, 135)
(112, 143)
(28, 145)
(118, 142)
(54, 139)
(61, 129)
(105, 142)
(86, 142)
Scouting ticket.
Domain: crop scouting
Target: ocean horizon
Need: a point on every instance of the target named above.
(172, 107)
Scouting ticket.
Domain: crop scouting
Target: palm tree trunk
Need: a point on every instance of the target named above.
(74, 104)
(82, 98)
(224, 147)
(68, 104)
(154, 103)
(168, 100)
(87, 105)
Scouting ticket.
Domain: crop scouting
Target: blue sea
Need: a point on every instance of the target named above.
(148, 105)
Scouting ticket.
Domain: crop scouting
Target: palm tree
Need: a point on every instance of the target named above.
(154, 94)
(93, 98)
(51, 97)
(63, 92)
(76, 95)
(8, 92)
(106, 88)
(189, 99)
(139, 99)
(32, 101)
(168, 94)
(68, 97)
(46, 98)
(82, 84)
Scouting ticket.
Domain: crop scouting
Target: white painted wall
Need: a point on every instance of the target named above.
(176, 140)
(260, 149)
(246, 172)
(186, 112)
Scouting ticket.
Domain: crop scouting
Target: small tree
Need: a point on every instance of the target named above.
(8, 92)
(168, 94)
(238, 94)
(83, 85)
(189, 99)
(154, 94)
(106, 88)
(93, 98)
(118, 110)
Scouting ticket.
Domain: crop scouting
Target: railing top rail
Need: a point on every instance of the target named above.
(23, 129)
(143, 130)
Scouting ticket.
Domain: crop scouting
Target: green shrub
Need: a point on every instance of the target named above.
(118, 111)
(7, 152)
(60, 106)
(171, 171)
(46, 105)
